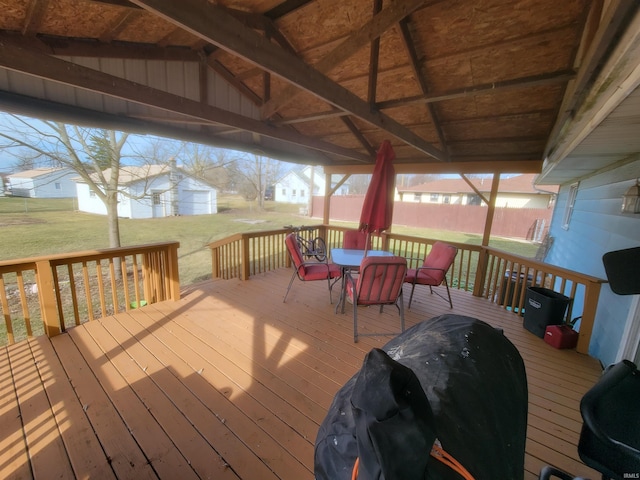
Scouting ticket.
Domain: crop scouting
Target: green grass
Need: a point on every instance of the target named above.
(32, 227)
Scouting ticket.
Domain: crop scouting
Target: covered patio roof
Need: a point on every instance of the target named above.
(457, 86)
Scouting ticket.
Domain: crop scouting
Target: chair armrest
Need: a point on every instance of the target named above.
(414, 259)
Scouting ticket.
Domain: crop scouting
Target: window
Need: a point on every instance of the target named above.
(92, 194)
(446, 199)
(58, 186)
(473, 199)
(156, 199)
(302, 193)
(284, 192)
(417, 197)
(568, 209)
(293, 192)
(434, 197)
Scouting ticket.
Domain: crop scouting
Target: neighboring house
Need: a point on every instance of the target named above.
(517, 191)
(153, 191)
(43, 183)
(295, 186)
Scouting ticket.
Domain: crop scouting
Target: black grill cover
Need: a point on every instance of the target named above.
(475, 386)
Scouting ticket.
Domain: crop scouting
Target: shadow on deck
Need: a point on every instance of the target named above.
(229, 382)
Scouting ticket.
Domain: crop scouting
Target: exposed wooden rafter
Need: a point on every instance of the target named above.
(413, 60)
(560, 77)
(31, 62)
(214, 24)
(379, 24)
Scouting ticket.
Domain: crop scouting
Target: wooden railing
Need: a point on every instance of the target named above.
(50, 293)
(498, 276)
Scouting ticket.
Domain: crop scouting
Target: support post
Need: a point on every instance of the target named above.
(47, 296)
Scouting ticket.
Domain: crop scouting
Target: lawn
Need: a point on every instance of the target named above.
(32, 227)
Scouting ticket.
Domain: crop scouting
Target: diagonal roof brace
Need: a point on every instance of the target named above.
(214, 24)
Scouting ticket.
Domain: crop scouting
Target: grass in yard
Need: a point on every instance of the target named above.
(33, 227)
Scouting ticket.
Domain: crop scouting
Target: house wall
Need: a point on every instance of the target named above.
(22, 187)
(194, 198)
(514, 200)
(285, 188)
(503, 200)
(52, 185)
(597, 226)
(88, 203)
(417, 197)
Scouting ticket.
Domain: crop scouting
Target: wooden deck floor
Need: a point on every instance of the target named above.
(231, 383)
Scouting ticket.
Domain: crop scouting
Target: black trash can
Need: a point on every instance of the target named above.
(543, 307)
(514, 285)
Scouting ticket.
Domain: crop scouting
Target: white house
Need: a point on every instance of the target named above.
(43, 183)
(295, 186)
(153, 191)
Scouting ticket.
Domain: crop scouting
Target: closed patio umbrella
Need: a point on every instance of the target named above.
(377, 210)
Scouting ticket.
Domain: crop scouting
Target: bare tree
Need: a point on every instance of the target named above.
(94, 154)
(26, 159)
(254, 173)
(209, 163)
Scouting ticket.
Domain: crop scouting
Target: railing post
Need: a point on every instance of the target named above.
(215, 262)
(322, 233)
(174, 275)
(47, 297)
(245, 271)
(147, 279)
(591, 296)
(385, 241)
(481, 272)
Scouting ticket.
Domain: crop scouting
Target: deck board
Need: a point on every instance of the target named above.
(232, 383)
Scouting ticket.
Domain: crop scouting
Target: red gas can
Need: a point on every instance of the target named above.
(561, 336)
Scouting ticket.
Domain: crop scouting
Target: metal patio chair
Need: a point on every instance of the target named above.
(307, 271)
(433, 271)
(379, 283)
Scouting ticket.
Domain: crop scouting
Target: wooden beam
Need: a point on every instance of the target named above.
(525, 166)
(361, 138)
(413, 60)
(475, 189)
(562, 76)
(214, 24)
(375, 27)
(327, 199)
(491, 210)
(39, 108)
(312, 117)
(34, 63)
(76, 48)
(374, 57)
(285, 8)
(221, 70)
